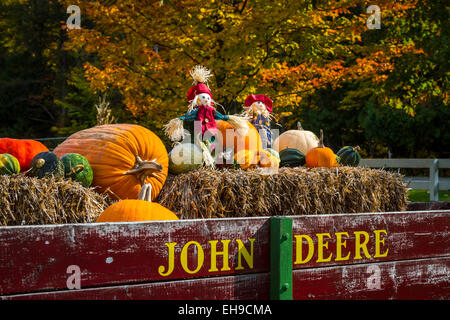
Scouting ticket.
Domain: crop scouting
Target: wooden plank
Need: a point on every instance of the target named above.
(444, 184)
(240, 287)
(421, 183)
(444, 164)
(281, 258)
(406, 279)
(40, 257)
(417, 183)
(396, 163)
(425, 206)
(362, 238)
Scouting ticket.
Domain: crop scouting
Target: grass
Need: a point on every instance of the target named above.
(424, 195)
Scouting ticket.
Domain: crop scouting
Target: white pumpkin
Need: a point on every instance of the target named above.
(299, 139)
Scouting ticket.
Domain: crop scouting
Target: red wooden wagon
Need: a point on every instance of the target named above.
(392, 255)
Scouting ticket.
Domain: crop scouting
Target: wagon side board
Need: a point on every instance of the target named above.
(395, 255)
(37, 258)
(237, 287)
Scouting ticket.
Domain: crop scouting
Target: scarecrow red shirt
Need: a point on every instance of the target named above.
(207, 115)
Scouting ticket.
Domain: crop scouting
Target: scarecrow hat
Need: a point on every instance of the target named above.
(259, 97)
(201, 76)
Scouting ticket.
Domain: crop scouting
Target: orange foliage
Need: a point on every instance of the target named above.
(284, 49)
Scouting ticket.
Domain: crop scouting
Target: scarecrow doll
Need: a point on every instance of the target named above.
(201, 108)
(258, 109)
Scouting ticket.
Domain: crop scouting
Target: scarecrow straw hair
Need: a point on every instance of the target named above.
(26, 200)
(192, 104)
(250, 114)
(207, 193)
(200, 74)
(239, 123)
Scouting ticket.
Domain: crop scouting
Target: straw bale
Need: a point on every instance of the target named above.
(208, 193)
(26, 200)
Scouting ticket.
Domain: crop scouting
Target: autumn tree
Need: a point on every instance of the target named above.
(401, 112)
(285, 49)
(33, 67)
(317, 60)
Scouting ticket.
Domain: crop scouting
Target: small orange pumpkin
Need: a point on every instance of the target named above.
(321, 156)
(137, 210)
(246, 159)
(266, 160)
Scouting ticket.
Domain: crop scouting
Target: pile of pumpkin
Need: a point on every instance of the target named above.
(293, 148)
(131, 163)
(109, 158)
(243, 151)
(303, 148)
(33, 159)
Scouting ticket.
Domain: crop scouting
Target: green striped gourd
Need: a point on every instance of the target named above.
(77, 168)
(349, 156)
(9, 164)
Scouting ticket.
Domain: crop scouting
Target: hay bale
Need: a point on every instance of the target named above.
(26, 200)
(206, 193)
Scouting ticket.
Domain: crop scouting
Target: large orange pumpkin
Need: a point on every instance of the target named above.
(250, 141)
(136, 210)
(122, 156)
(321, 156)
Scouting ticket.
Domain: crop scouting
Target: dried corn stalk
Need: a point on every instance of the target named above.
(104, 115)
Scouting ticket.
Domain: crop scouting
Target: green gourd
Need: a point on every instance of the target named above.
(349, 156)
(46, 164)
(77, 168)
(291, 158)
(185, 157)
(9, 164)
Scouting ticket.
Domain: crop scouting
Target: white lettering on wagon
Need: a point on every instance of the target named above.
(74, 280)
(374, 280)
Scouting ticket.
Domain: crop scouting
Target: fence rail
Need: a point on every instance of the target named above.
(433, 183)
(51, 143)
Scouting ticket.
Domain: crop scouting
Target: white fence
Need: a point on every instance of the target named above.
(433, 183)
